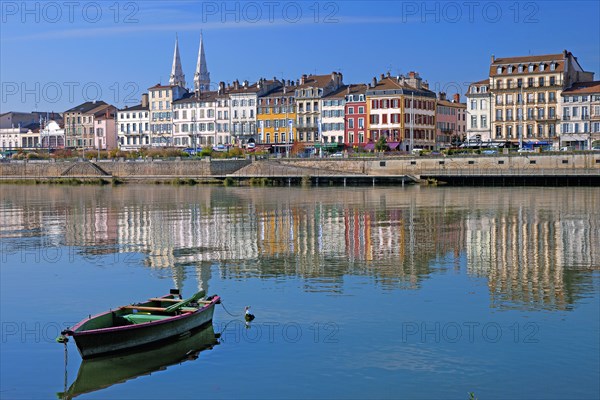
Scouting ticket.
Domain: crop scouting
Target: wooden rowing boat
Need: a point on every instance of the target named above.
(140, 324)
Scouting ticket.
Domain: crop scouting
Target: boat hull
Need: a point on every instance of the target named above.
(102, 372)
(97, 342)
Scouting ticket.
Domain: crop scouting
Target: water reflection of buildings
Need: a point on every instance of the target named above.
(528, 253)
(530, 256)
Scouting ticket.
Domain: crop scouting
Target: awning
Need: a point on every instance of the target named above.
(370, 146)
(393, 145)
(327, 145)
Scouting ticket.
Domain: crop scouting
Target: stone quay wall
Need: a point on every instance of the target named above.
(529, 163)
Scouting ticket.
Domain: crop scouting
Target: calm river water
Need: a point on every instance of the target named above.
(413, 292)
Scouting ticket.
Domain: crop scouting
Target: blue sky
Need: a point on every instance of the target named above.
(57, 54)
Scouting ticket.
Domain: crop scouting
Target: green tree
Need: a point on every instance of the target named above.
(381, 144)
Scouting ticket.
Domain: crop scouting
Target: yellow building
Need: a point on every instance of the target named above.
(276, 115)
(526, 94)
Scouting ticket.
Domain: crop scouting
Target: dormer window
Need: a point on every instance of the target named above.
(510, 69)
(520, 69)
(499, 70)
(530, 69)
(483, 89)
(542, 67)
(552, 66)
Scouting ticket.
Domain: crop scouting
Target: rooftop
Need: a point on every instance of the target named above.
(87, 107)
(583, 88)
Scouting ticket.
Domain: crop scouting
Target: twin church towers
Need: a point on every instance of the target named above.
(201, 76)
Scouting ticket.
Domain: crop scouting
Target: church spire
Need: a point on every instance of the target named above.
(177, 78)
(202, 76)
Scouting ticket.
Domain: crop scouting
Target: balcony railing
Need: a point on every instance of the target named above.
(524, 85)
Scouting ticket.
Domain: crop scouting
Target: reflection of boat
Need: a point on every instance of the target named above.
(140, 324)
(102, 372)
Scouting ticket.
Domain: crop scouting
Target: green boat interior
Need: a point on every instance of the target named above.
(155, 309)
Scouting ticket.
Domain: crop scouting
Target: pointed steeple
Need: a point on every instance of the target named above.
(177, 77)
(202, 76)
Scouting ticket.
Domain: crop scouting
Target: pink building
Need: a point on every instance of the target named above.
(451, 125)
(105, 131)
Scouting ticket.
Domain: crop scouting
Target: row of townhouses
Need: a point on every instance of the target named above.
(543, 98)
(547, 98)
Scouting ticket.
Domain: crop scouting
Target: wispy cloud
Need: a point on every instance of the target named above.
(140, 28)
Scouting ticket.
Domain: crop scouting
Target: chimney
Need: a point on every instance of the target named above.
(348, 89)
(303, 79)
(221, 87)
(236, 84)
(374, 82)
(245, 84)
(388, 74)
(144, 100)
(442, 95)
(456, 98)
(425, 85)
(411, 74)
(381, 76)
(493, 59)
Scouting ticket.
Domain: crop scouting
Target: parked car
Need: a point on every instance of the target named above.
(251, 145)
(489, 151)
(525, 150)
(337, 155)
(191, 151)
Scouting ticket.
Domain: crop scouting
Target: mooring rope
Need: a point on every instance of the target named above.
(233, 315)
(66, 361)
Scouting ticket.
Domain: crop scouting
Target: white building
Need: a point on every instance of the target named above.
(10, 138)
(580, 124)
(161, 118)
(52, 136)
(223, 116)
(194, 120)
(332, 117)
(479, 115)
(133, 124)
(243, 100)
